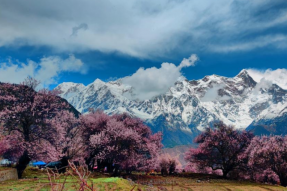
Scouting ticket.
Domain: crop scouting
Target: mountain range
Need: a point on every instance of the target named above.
(190, 106)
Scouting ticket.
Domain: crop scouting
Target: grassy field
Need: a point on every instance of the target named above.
(37, 180)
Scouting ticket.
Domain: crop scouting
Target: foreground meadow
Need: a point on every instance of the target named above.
(38, 180)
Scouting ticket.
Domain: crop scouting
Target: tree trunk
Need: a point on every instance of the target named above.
(22, 164)
(93, 164)
(224, 174)
(64, 164)
(283, 180)
(88, 163)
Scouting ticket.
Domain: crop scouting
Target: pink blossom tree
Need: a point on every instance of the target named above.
(69, 144)
(31, 82)
(139, 147)
(167, 166)
(265, 176)
(220, 148)
(25, 116)
(194, 168)
(92, 124)
(10, 146)
(121, 139)
(269, 153)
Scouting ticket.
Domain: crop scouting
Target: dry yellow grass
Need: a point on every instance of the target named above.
(194, 184)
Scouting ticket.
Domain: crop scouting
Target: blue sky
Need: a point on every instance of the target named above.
(81, 40)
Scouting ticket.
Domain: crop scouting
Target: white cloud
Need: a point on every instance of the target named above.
(262, 84)
(151, 82)
(278, 76)
(277, 41)
(186, 62)
(142, 28)
(212, 94)
(82, 26)
(47, 70)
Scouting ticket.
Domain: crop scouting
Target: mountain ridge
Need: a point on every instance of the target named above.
(188, 106)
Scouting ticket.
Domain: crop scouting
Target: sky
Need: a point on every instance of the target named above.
(148, 43)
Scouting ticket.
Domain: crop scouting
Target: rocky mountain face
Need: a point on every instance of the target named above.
(189, 106)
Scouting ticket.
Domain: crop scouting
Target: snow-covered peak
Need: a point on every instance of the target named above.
(188, 106)
(69, 89)
(67, 85)
(243, 72)
(98, 81)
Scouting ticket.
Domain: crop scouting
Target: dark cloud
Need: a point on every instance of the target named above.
(82, 26)
(144, 28)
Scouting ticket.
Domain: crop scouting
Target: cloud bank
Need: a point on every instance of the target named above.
(151, 82)
(144, 28)
(47, 70)
(278, 76)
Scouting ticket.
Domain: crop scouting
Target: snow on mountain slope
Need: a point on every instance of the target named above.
(70, 89)
(188, 107)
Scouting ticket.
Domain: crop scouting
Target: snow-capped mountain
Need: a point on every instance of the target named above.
(189, 106)
(271, 121)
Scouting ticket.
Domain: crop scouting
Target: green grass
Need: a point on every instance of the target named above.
(4, 168)
(37, 180)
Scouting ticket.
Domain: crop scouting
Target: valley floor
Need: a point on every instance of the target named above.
(37, 180)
